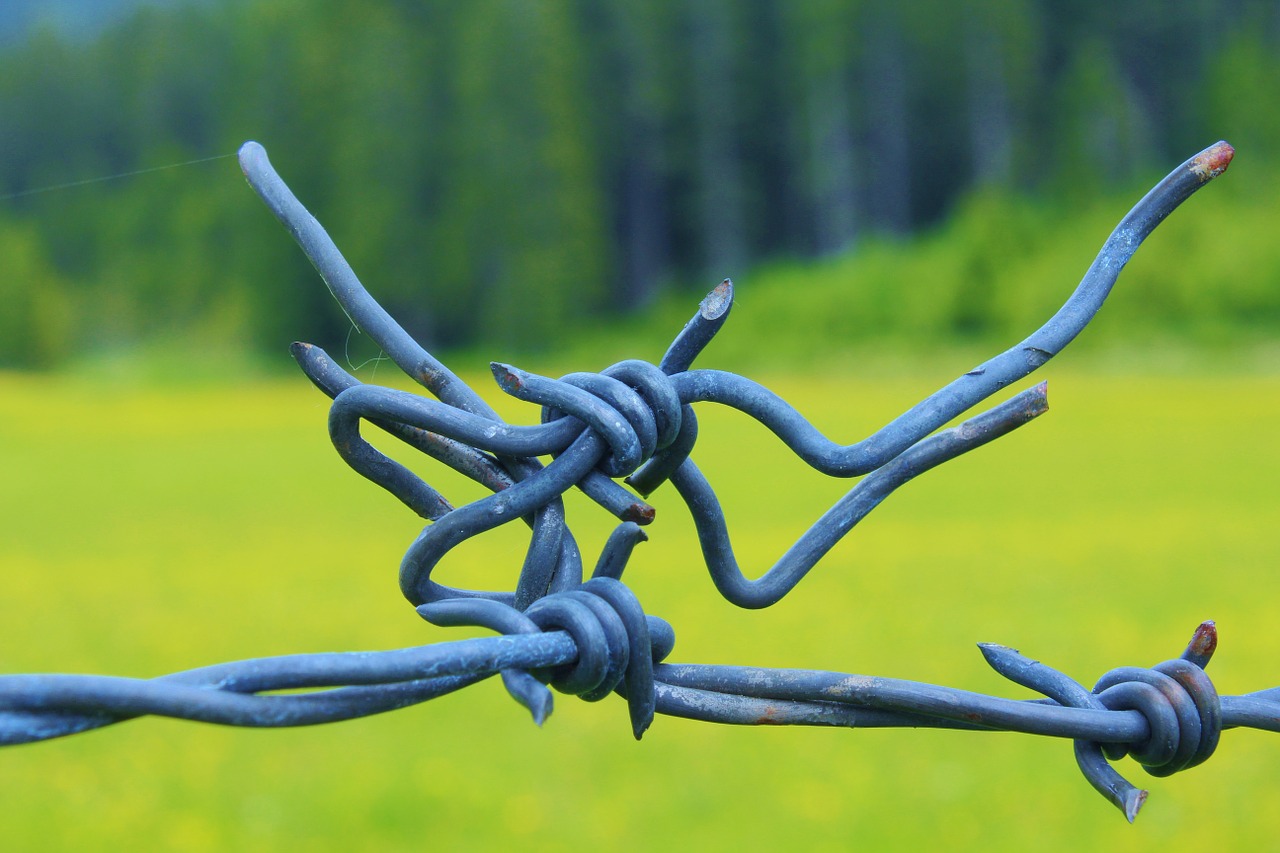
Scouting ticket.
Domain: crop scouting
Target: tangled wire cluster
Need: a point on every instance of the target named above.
(635, 421)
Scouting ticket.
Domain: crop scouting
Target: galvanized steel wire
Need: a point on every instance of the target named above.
(635, 421)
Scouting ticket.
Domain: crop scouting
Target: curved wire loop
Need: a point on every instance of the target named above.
(635, 421)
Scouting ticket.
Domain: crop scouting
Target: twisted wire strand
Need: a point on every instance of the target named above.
(636, 420)
(596, 640)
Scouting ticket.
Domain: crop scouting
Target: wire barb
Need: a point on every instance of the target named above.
(636, 420)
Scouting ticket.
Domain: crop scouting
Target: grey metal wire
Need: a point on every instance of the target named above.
(590, 638)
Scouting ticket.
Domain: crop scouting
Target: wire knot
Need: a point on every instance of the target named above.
(617, 644)
(1178, 702)
(1181, 707)
(632, 406)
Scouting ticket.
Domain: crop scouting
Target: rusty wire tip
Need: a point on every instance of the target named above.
(1040, 392)
(1134, 800)
(1204, 642)
(718, 302)
(509, 379)
(639, 513)
(1212, 161)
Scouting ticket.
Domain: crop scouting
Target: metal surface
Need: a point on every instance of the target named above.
(636, 421)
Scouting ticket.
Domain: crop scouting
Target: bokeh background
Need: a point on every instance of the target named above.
(507, 172)
(897, 192)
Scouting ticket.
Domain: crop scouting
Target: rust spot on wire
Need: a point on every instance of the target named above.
(640, 513)
(1213, 161)
(771, 715)
(1203, 644)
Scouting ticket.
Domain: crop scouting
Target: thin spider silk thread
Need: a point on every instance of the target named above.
(376, 360)
(346, 351)
(116, 176)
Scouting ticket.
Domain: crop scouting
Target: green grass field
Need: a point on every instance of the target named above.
(152, 529)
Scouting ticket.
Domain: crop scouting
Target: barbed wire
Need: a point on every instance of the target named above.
(635, 421)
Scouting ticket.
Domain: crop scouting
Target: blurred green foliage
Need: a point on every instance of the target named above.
(1206, 284)
(503, 171)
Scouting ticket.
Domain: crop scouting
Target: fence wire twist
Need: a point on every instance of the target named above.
(590, 638)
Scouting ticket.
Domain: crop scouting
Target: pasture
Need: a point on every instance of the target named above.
(151, 528)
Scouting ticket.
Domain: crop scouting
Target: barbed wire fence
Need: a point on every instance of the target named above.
(635, 421)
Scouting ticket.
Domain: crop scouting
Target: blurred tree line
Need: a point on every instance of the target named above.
(502, 169)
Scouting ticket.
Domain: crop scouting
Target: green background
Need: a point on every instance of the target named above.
(155, 529)
(503, 172)
(170, 498)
